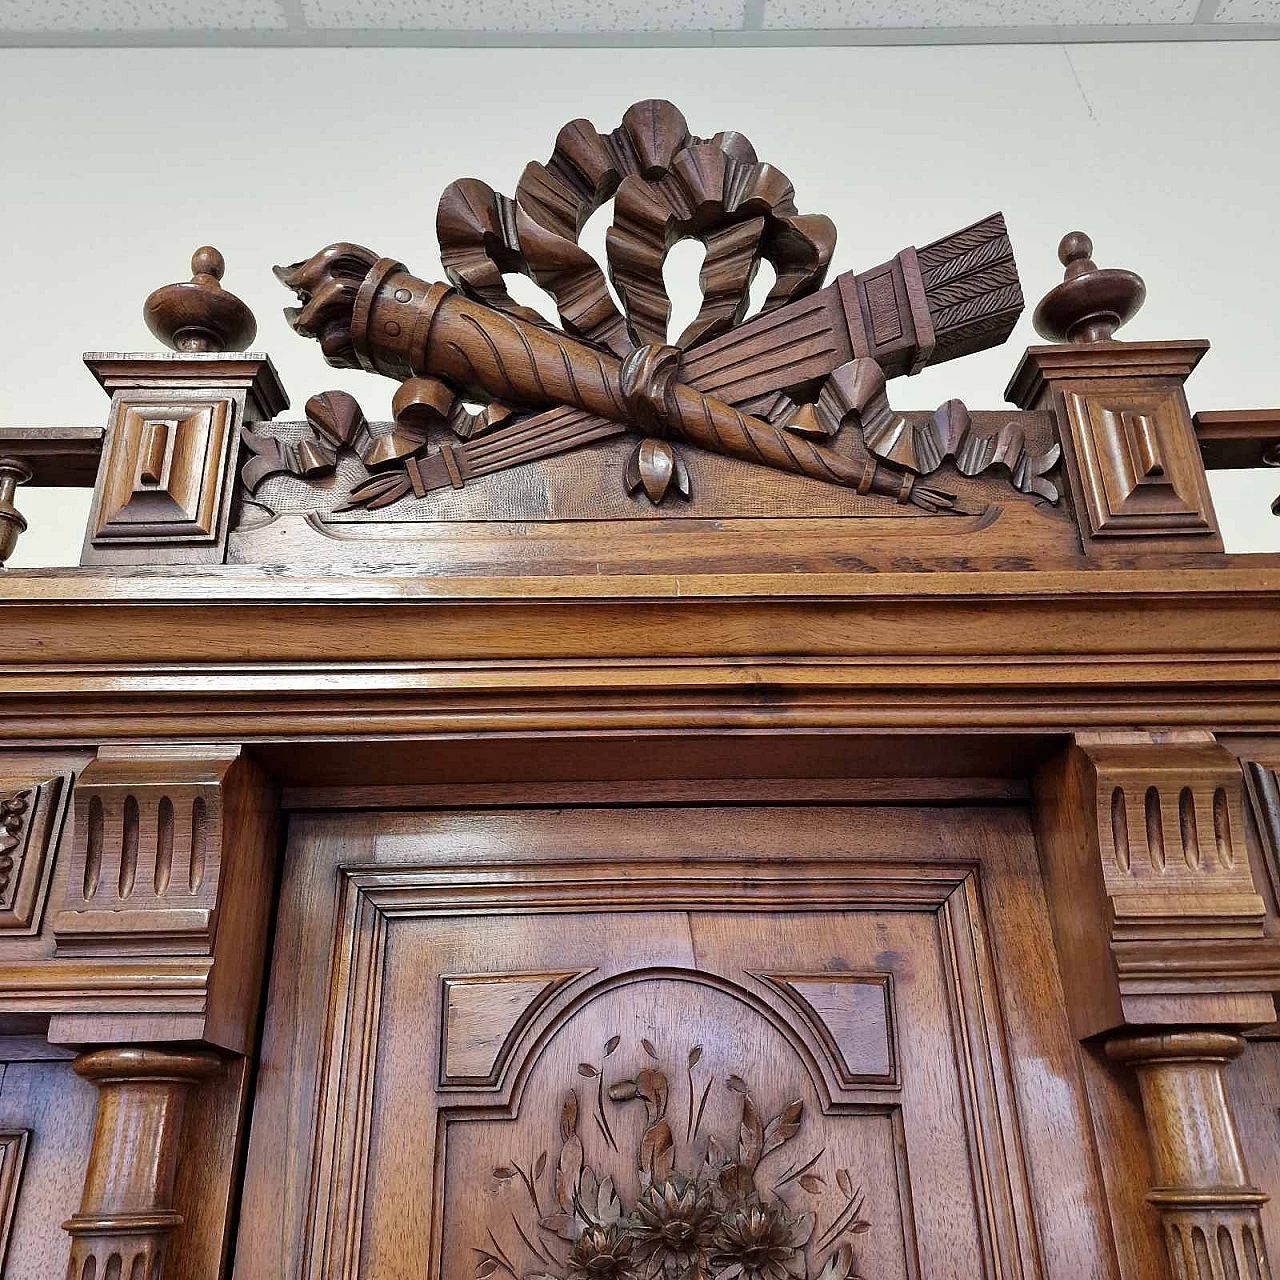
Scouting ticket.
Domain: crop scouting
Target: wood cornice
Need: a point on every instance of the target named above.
(248, 655)
(251, 371)
(1173, 359)
(1218, 575)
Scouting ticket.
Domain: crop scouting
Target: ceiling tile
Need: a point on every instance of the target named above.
(1248, 11)
(139, 15)
(793, 15)
(551, 16)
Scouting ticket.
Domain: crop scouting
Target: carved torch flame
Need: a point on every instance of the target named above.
(371, 313)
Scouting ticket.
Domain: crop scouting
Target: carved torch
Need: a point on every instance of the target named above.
(372, 313)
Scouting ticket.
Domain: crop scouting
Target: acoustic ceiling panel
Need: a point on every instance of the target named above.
(1248, 11)
(628, 23)
(547, 16)
(93, 16)
(793, 15)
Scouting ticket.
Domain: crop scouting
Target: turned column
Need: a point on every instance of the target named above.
(126, 1215)
(1208, 1206)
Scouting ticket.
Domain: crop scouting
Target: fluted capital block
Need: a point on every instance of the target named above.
(171, 860)
(1157, 917)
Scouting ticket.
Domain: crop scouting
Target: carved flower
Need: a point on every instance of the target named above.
(673, 1226)
(601, 1253)
(757, 1243)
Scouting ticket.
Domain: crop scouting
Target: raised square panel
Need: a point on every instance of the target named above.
(139, 15)
(852, 1013)
(1139, 472)
(484, 1015)
(837, 15)
(162, 471)
(498, 16)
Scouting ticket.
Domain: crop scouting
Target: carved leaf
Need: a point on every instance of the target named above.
(569, 1173)
(569, 1116)
(782, 1127)
(802, 1229)
(657, 1153)
(378, 491)
(586, 1069)
(842, 1181)
(695, 1056)
(336, 417)
(751, 1135)
(736, 1182)
(539, 1165)
(813, 1184)
(587, 1196)
(504, 1173)
(737, 1084)
(611, 1044)
(647, 1046)
(652, 1086)
(559, 1224)
(608, 1204)
(839, 1266)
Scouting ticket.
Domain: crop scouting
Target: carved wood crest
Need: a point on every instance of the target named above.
(799, 387)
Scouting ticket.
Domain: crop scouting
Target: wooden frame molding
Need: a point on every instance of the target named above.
(375, 901)
(13, 1155)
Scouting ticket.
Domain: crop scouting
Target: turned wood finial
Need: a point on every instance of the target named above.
(200, 315)
(1092, 302)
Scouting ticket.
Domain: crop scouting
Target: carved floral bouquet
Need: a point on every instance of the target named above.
(722, 1221)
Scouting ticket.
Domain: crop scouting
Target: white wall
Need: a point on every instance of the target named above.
(117, 163)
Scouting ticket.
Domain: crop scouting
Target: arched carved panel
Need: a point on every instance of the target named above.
(660, 1069)
(671, 1122)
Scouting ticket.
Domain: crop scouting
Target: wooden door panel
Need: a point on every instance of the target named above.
(526, 1067)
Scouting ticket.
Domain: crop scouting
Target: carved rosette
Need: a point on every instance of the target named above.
(15, 814)
(31, 817)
